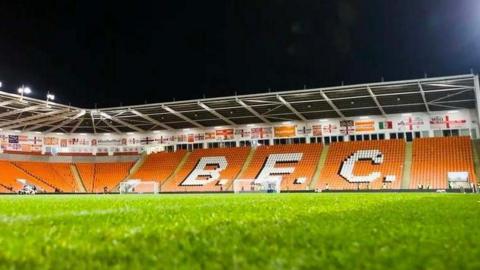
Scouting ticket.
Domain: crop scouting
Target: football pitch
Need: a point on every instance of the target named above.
(247, 231)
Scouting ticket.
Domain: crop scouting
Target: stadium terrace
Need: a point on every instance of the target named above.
(401, 135)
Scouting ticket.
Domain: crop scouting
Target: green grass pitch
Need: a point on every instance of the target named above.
(247, 231)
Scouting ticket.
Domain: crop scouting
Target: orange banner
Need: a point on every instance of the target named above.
(284, 131)
(366, 125)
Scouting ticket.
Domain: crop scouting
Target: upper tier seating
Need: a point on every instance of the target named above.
(433, 158)
(57, 175)
(303, 170)
(159, 166)
(97, 176)
(358, 162)
(234, 158)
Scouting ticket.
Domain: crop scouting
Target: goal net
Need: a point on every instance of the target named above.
(139, 187)
(270, 185)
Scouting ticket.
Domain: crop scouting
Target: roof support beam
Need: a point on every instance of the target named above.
(172, 111)
(376, 101)
(7, 102)
(150, 119)
(334, 107)
(212, 111)
(45, 122)
(107, 116)
(112, 127)
(93, 123)
(41, 118)
(18, 111)
(65, 122)
(420, 87)
(289, 106)
(76, 125)
(261, 117)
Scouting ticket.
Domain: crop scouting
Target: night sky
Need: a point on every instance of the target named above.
(113, 53)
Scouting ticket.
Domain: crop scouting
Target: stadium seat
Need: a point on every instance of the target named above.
(57, 175)
(235, 158)
(10, 173)
(303, 170)
(97, 176)
(365, 172)
(433, 158)
(159, 166)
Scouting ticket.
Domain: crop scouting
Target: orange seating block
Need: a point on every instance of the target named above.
(433, 158)
(9, 173)
(97, 176)
(57, 175)
(159, 166)
(394, 157)
(234, 156)
(304, 168)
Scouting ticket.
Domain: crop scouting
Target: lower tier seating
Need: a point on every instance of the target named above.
(300, 159)
(99, 176)
(9, 174)
(433, 158)
(203, 165)
(363, 164)
(159, 166)
(56, 175)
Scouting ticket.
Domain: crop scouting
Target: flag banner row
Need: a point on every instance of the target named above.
(328, 127)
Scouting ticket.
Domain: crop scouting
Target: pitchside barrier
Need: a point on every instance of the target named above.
(139, 187)
(270, 185)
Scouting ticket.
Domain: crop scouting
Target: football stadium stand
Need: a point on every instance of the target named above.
(411, 134)
(302, 158)
(159, 166)
(384, 158)
(433, 158)
(100, 176)
(57, 175)
(208, 170)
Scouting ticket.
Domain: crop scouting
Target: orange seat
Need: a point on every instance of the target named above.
(393, 153)
(433, 158)
(235, 157)
(304, 168)
(159, 166)
(97, 176)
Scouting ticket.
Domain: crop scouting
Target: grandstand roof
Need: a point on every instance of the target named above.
(382, 98)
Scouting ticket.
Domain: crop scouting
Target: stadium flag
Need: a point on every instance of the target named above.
(210, 135)
(146, 140)
(284, 131)
(199, 137)
(317, 130)
(224, 134)
(22, 138)
(329, 129)
(439, 122)
(364, 126)
(191, 138)
(181, 138)
(261, 133)
(63, 142)
(304, 130)
(346, 127)
(51, 141)
(12, 138)
(242, 133)
(385, 125)
(410, 123)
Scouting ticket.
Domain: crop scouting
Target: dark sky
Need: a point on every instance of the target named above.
(112, 52)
